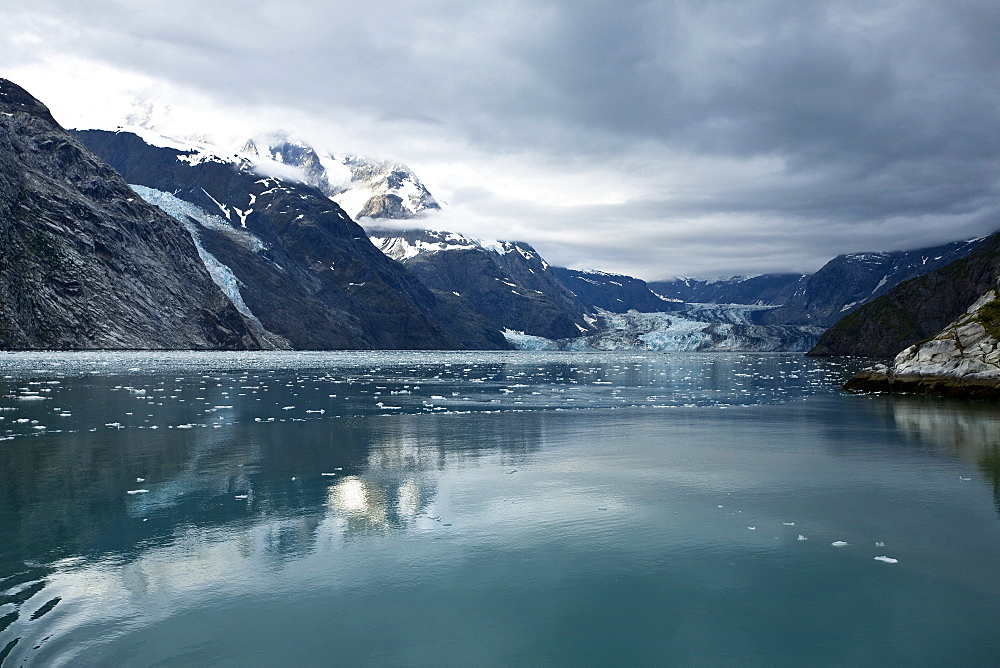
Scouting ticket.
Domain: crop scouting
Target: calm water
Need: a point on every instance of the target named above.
(478, 509)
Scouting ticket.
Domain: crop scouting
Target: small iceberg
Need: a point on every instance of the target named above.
(801, 537)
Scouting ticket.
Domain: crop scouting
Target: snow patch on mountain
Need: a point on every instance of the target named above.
(191, 217)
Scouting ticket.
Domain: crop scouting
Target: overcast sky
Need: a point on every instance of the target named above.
(700, 138)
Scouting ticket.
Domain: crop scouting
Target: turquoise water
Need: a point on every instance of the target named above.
(484, 509)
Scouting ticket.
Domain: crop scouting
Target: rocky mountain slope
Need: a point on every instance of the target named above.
(820, 299)
(766, 289)
(88, 264)
(915, 309)
(847, 281)
(303, 268)
(613, 292)
(963, 360)
(507, 283)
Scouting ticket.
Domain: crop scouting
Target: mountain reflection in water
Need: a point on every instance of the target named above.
(516, 508)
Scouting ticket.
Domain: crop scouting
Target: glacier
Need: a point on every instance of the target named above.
(697, 327)
(191, 216)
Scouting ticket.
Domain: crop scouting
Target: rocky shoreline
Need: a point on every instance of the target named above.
(962, 361)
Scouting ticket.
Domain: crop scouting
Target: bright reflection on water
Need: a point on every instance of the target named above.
(495, 508)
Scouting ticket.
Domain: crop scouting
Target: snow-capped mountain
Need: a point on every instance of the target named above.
(363, 187)
(302, 268)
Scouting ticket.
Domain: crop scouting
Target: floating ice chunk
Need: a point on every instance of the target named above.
(801, 537)
(879, 543)
(839, 543)
(137, 491)
(888, 560)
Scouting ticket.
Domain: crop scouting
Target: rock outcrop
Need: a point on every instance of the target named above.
(85, 263)
(963, 360)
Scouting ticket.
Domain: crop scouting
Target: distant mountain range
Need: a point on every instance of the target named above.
(254, 248)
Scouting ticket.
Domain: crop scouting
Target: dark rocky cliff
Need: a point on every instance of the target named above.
(309, 273)
(87, 264)
(916, 309)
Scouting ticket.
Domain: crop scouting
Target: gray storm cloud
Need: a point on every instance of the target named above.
(654, 138)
